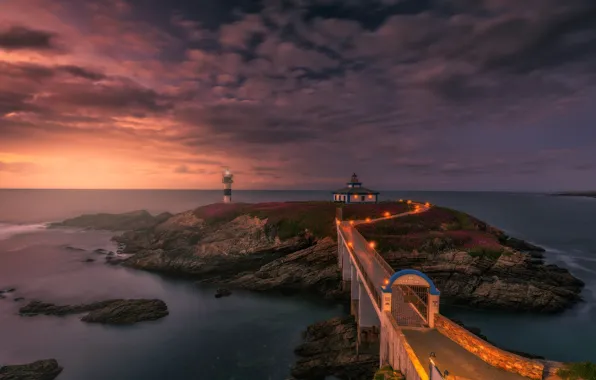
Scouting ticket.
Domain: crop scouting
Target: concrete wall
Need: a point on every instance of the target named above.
(492, 355)
(396, 352)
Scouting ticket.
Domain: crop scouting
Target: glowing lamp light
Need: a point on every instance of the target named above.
(427, 204)
(367, 220)
(352, 222)
(372, 244)
(355, 196)
(386, 214)
(386, 281)
(350, 244)
(369, 196)
(401, 200)
(337, 221)
(409, 202)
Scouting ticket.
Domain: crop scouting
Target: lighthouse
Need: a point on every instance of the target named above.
(227, 180)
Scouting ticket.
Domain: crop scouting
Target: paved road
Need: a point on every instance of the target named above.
(452, 357)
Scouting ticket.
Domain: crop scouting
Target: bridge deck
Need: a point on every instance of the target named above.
(452, 357)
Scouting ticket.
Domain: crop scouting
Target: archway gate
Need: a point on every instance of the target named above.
(412, 298)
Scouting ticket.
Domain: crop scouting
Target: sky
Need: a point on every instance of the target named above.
(298, 94)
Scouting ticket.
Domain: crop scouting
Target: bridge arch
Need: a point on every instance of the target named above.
(404, 272)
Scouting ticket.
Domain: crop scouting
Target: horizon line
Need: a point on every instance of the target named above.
(319, 190)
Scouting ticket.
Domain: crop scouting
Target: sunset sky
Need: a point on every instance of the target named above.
(410, 94)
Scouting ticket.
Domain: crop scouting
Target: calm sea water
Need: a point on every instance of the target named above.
(246, 336)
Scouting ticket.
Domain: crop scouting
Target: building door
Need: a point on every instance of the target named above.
(362, 198)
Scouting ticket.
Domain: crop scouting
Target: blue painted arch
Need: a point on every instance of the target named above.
(432, 288)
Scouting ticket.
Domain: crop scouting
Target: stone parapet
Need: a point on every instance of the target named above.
(494, 356)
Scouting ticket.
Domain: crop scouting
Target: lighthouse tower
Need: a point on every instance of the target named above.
(227, 180)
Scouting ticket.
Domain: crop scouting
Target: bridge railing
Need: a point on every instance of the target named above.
(365, 277)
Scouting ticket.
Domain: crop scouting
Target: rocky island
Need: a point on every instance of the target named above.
(590, 194)
(39, 370)
(291, 247)
(115, 312)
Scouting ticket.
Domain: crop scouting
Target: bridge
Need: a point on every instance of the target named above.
(397, 313)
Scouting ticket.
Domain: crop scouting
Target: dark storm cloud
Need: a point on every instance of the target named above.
(318, 85)
(83, 73)
(20, 37)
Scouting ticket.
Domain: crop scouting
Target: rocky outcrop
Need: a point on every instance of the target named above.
(513, 281)
(329, 349)
(114, 222)
(39, 370)
(312, 269)
(190, 247)
(267, 247)
(118, 311)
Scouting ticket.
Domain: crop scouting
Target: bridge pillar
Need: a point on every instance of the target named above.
(355, 292)
(340, 248)
(346, 270)
(368, 320)
(433, 309)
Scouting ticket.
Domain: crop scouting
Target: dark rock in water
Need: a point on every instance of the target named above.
(111, 254)
(119, 311)
(100, 251)
(89, 260)
(222, 292)
(18, 299)
(519, 244)
(114, 222)
(7, 290)
(71, 248)
(39, 370)
(2, 296)
(329, 349)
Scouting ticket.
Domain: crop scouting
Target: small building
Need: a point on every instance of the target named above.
(355, 193)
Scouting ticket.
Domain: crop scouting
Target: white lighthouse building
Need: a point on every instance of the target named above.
(355, 193)
(227, 179)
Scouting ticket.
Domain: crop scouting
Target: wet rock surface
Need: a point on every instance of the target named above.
(39, 370)
(118, 311)
(329, 349)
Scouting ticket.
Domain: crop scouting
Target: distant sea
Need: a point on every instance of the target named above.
(247, 336)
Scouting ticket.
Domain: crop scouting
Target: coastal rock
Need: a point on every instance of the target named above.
(118, 311)
(7, 290)
(39, 370)
(266, 247)
(243, 244)
(114, 222)
(513, 281)
(89, 260)
(222, 292)
(329, 349)
(312, 269)
(19, 299)
(71, 248)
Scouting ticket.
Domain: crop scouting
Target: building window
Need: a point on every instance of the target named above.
(362, 198)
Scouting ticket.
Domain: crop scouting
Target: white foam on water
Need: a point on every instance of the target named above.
(8, 230)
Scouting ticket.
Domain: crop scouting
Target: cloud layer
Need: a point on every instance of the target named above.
(443, 94)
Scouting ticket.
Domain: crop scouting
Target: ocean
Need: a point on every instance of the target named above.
(247, 336)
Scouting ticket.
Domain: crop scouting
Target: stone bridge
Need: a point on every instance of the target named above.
(397, 313)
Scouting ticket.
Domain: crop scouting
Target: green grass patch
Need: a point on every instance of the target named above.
(492, 253)
(388, 373)
(578, 371)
